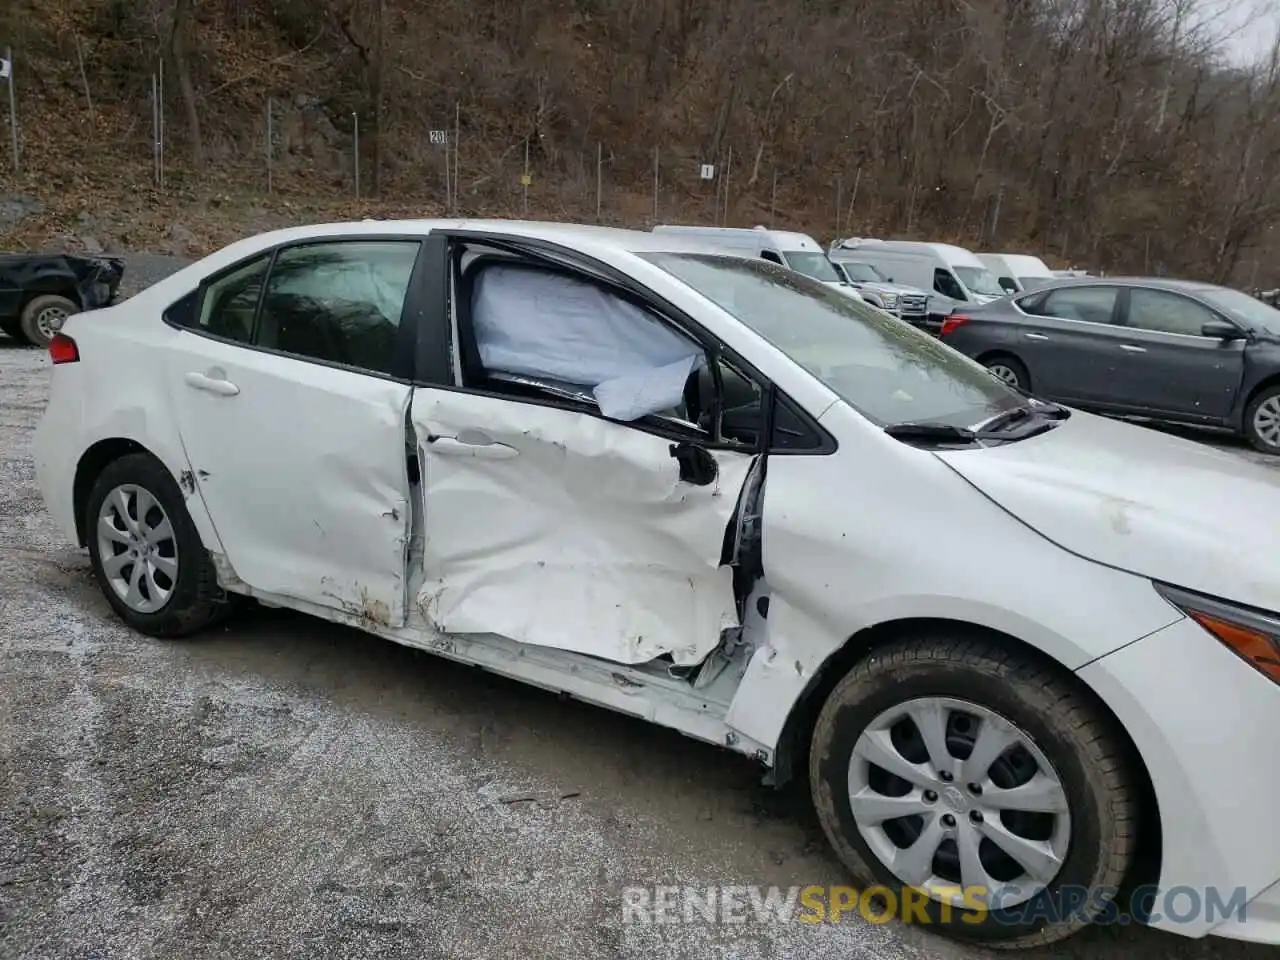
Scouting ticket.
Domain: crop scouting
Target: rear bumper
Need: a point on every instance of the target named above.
(55, 452)
(1204, 723)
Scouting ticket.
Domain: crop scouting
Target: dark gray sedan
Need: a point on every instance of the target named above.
(1168, 350)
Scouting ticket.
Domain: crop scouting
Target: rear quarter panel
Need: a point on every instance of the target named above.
(116, 391)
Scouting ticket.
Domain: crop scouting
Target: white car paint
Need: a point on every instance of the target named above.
(1050, 540)
(1137, 501)
(589, 517)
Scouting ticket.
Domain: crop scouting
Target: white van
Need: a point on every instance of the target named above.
(798, 251)
(954, 276)
(1017, 272)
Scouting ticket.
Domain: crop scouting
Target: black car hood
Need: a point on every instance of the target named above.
(96, 279)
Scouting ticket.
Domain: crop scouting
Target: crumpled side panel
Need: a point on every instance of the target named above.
(94, 280)
(586, 540)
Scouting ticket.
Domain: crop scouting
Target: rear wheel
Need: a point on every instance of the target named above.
(977, 785)
(146, 553)
(1009, 369)
(43, 316)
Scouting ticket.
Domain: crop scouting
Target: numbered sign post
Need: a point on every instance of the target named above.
(440, 138)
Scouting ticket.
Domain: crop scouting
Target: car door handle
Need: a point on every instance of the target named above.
(218, 383)
(474, 445)
(1037, 336)
(1132, 348)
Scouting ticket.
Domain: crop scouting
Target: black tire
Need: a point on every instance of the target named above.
(29, 322)
(1069, 731)
(1015, 367)
(1269, 396)
(196, 600)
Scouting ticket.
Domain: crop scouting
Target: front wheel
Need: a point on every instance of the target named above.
(1262, 421)
(147, 554)
(977, 787)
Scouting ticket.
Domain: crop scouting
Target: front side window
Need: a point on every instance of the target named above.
(770, 256)
(229, 303)
(814, 265)
(554, 334)
(887, 370)
(945, 283)
(1166, 312)
(863, 272)
(979, 280)
(1252, 311)
(1085, 304)
(338, 302)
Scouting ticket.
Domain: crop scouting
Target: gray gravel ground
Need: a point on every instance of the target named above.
(289, 788)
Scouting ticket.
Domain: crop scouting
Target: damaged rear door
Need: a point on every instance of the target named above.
(578, 492)
(291, 382)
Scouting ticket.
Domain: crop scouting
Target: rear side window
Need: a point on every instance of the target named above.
(1086, 304)
(229, 303)
(338, 302)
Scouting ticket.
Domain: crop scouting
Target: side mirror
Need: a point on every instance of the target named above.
(697, 466)
(1220, 330)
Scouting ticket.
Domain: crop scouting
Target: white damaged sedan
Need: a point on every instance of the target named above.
(1012, 646)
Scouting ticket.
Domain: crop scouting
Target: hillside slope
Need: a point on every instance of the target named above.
(1095, 131)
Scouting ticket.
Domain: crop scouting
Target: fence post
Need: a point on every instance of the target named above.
(13, 105)
(155, 131)
(599, 177)
(728, 166)
(160, 114)
(655, 186)
(839, 202)
(525, 180)
(356, 126)
(457, 137)
(773, 199)
(269, 146)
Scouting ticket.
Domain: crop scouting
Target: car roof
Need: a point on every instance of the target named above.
(584, 237)
(1155, 283)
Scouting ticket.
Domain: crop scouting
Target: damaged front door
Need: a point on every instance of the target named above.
(293, 412)
(563, 530)
(573, 495)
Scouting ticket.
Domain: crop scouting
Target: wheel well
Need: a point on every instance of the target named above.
(1268, 383)
(92, 463)
(69, 291)
(792, 754)
(992, 354)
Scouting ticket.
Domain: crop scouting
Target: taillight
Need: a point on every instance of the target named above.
(952, 323)
(62, 349)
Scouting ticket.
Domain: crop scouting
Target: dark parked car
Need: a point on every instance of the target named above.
(1168, 350)
(39, 291)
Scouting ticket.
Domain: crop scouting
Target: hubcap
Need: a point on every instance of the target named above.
(1266, 421)
(49, 321)
(137, 548)
(953, 798)
(1002, 372)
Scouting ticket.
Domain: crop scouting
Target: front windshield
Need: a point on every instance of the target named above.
(979, 280)
(814, 265)
(1251, 310)
(886, 369)
(863, 272)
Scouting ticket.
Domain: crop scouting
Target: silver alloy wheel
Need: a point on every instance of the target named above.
(137, 548)
(953, 798)
(50, 320)
(1266, 421)
(1002, 372)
